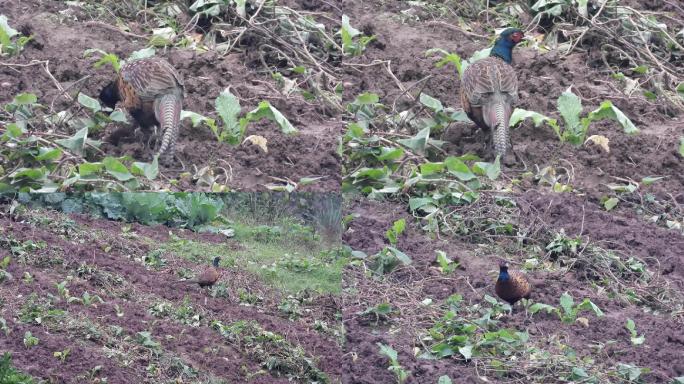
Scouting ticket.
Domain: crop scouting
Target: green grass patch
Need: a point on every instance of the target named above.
(288, 256)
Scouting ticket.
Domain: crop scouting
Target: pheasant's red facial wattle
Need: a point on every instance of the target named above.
(517, 37)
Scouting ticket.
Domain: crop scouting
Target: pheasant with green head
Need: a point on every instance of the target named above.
(489, 89)
(511, 286)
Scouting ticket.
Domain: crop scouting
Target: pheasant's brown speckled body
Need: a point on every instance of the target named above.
(207, 277)
(512, 286)
(489, 89)
(152, 91)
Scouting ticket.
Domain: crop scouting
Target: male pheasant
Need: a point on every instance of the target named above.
(152, 91)
(489, 88)
(511, 286)
(208, 277)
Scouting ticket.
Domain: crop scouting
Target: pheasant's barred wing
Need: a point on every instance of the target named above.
(488, 76)
(151, 77)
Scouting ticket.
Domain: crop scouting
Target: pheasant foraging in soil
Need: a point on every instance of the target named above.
(489, 88)
(511, 286)
(152, 92)
(208, 277)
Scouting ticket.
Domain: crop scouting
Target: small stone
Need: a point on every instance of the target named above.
(5, 84)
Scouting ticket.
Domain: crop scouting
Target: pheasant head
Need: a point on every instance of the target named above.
(109, 95)
(503, 47)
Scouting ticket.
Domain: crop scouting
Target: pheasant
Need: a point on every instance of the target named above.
(152, 92)
(208, 277)
(489, 88)
(511, 286)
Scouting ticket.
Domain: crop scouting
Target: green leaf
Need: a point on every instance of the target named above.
(630, 326)
(570, 107)
(141, 54)
(444, 380)
(589, 305)
(400, 255)
(348, 33)
(367, 99)
(431, 102)
(418, 142)
(149, 170)
(681, 146)
(75, 143)
(9, 31)
(85, 169)
(466, 351)
(118, 116)
(89, 102)
(419, 202)
(648, 180)
(459, 169)
(491, 170)
(115, 168)
(48, 154)
(608, 111)
(427, 169)
(582, 8)
(399, 226)
(390, 154)
(228, 108)
(14, 131)
(25, 99)
(566, 302)
(195, 118)
(107, 58)
(266, 110)
(538, 119)
(578, 373)
(610, 203)
(537, 307)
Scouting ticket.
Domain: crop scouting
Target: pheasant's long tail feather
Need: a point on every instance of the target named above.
(497, 114)
(167, 109)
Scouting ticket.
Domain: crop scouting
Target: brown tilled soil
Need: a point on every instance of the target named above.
(61, 35)
(405, 288)
(128, 288)
(543, 77)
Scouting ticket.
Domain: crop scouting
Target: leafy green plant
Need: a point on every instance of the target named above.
(399, 371)
(397, 229)
(353, 41)
(455, 59)
(576, 127)
(62, 355)
(568, 311)
(145, 339)
(11, 41)
(634, 337)
(380, 312)
(86, 299)
(233, 129)
(30, 340)
(631, 373)
(44, 161)
(9, 375)
(4, 263)
(446, 265)
(3, 326)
